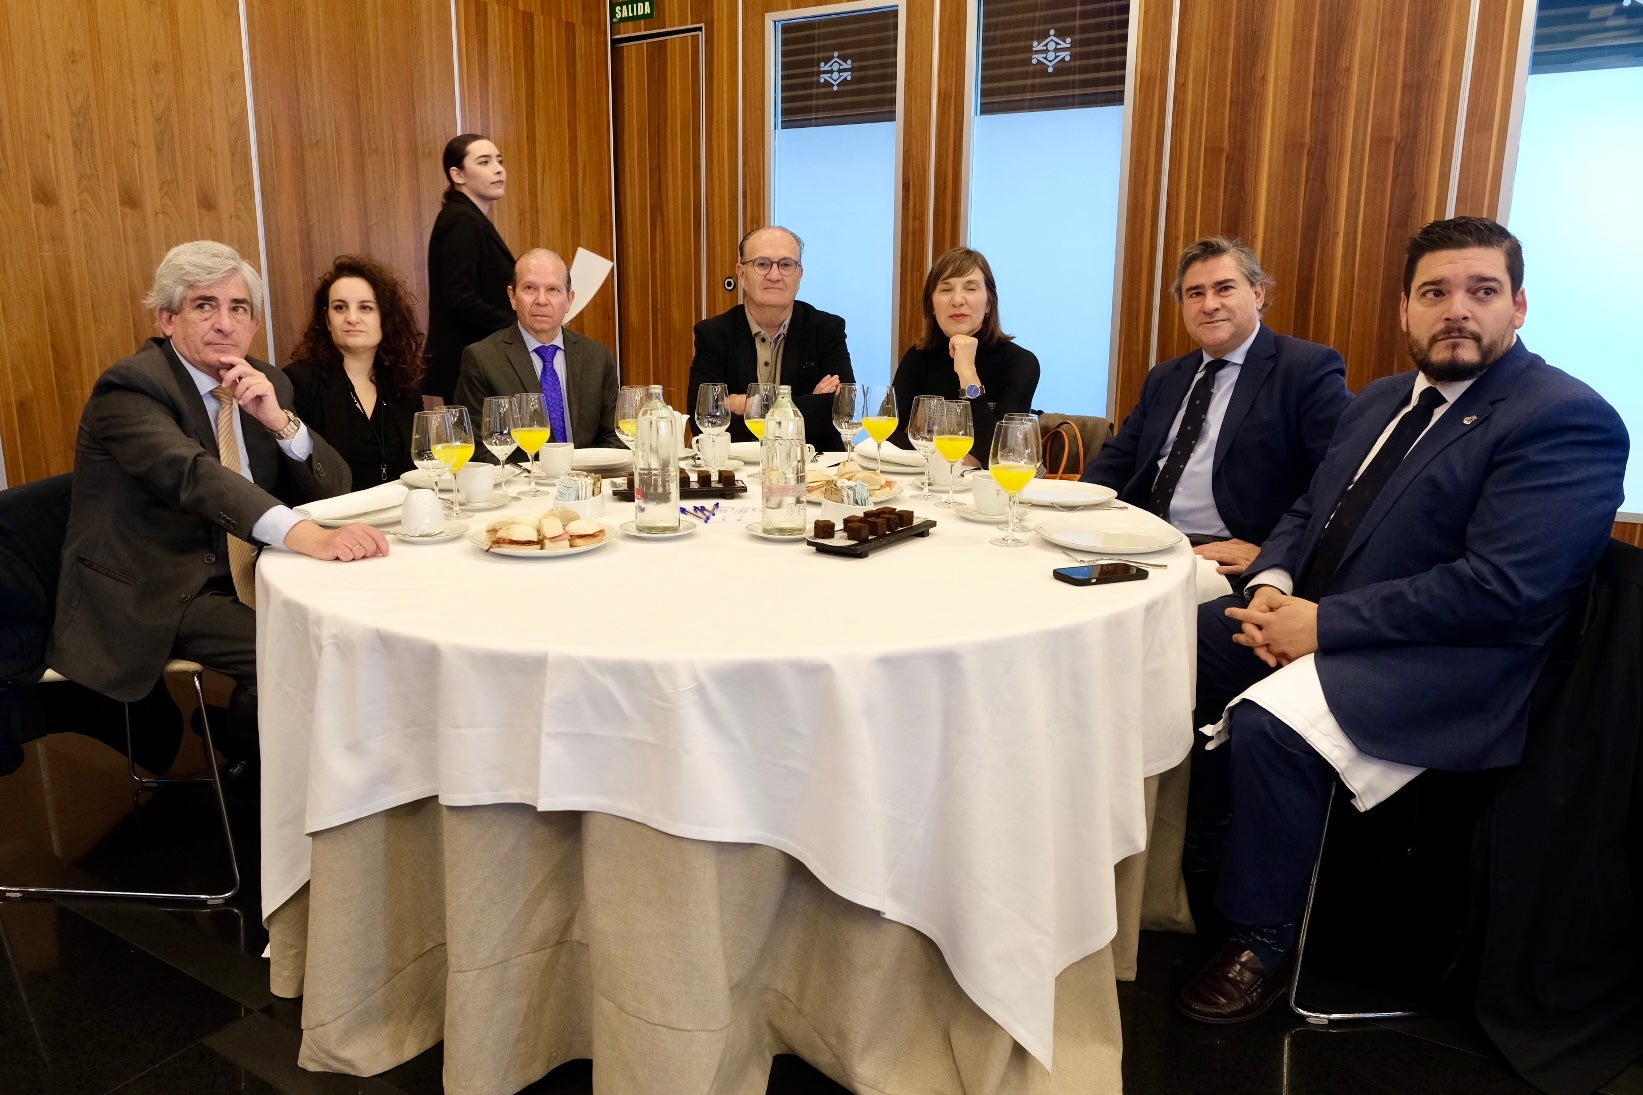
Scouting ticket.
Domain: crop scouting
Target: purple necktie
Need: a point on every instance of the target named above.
(553, 396)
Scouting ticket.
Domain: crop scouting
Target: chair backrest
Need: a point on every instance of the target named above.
(33, 522)
(1071, 441)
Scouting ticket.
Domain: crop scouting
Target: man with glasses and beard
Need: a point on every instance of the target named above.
(1398, 616)
(772, 337)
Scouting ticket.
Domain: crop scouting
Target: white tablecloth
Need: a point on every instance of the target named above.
(940, 732)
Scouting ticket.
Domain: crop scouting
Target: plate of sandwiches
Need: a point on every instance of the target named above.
(548, 535)
(830, 486)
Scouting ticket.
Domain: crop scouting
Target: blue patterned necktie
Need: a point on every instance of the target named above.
(553, 395)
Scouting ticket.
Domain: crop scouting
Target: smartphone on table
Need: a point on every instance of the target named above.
(1100, 574)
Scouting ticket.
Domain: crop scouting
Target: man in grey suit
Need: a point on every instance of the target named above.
(578, 391)
(164, 522)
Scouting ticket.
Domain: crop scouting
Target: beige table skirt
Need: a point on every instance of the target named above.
(526, 939)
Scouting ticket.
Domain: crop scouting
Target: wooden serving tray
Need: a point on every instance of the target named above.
(864, 548)
(625, 494)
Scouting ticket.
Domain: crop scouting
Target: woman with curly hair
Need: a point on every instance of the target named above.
(358, 371)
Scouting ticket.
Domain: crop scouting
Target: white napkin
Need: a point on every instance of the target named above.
(370, 500)
(893, 455)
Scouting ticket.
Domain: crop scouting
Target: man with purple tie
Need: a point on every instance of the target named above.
(575, 374)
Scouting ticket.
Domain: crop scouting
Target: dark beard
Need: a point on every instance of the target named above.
(1446, 372)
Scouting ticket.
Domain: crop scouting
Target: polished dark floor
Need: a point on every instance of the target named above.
(99, 995)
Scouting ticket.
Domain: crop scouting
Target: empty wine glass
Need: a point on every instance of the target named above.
(953, 439)
(426, 426)
(1013, 462)
(629, 398)
(881, 418)
(849, 403)
(496, 430)
(713, 413)
(531, 431)
(760, 398)
(922, 421)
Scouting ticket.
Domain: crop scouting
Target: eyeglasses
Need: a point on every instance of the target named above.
(784, 266)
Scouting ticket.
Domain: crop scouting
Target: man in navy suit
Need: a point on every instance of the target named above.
(1225, 438)
(1399, 615)
(774, 338)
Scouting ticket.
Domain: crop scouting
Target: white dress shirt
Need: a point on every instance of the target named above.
(1295, 695)
(1192, 508)
(273, 526)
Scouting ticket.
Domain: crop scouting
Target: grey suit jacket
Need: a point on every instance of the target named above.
(150, 512)
(500, 365)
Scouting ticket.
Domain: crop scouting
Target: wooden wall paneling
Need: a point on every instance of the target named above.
(351, 120)
(1141, 296)
(126, 133)
(657, 94)
(1496, 70)
(916, 216)
(535, 76)
(953, 51)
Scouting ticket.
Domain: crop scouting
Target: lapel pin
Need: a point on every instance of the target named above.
(1468, 420)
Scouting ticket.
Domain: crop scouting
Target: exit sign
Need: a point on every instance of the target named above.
(626, 11)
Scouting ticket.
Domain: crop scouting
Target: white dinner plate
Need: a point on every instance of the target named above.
(895, 491)
(479, 540)
(687, 525)
(380, 518)
(1109, 533)
(970, 513)
(450, 532)
(1066, 494)
(895, 457)
(757, 529)
(418, 479)
(696, 463)
(599, 459)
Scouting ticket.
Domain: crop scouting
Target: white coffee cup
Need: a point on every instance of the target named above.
(475, 482)
(421, 513)
(554, 458)
(941, 472)
(990, 498)
(712, 449)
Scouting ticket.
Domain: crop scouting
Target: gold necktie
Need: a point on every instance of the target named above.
(242, 557)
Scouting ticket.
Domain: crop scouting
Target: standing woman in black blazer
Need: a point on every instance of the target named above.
(356, 376)
(469, 267)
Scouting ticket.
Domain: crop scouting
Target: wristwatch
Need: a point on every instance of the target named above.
(973, 391)
(289, 430)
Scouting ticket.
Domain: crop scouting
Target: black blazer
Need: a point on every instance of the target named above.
(1284, 407)
(469, 268)
(378, 450)
(813, 347)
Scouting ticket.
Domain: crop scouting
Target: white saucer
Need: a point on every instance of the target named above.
(757, 529)
(497, 500)
(687, 525)
(450, 532)
(970, 513)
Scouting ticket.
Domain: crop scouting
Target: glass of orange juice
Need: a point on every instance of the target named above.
(1013, 461)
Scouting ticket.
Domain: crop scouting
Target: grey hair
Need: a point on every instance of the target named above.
(538, 252)
(741, 245)
(202, 262)
(1214, 247)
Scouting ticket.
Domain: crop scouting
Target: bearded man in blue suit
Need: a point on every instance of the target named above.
(1399, 615)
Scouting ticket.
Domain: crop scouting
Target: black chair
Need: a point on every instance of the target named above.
(33, 522)
(1397, 875)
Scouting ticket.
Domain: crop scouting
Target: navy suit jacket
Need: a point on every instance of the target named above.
(1289, 395)
(1440, 616)
(813, 347)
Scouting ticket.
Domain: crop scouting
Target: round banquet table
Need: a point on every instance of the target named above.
(940, 732)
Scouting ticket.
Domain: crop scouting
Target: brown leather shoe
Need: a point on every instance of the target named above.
(1233, 986)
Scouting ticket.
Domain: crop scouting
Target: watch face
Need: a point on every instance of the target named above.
(972, 391)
